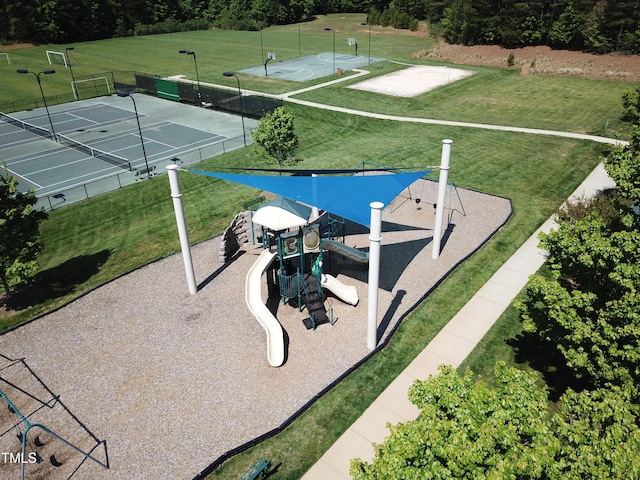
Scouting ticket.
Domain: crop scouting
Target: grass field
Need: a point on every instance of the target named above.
(92, 242)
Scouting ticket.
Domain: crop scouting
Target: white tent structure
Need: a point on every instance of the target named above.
(282, 214)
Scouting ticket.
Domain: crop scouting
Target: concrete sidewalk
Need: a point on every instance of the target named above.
(451, 346)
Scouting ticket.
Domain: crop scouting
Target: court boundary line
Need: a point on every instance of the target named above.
(14, 174)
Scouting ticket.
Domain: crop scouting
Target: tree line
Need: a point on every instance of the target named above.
(600, 26)
(65, 21)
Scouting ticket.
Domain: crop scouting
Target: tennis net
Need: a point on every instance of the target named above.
(94, 152)
(43, 132)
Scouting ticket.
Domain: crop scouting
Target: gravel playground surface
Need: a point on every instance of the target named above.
(172, 381)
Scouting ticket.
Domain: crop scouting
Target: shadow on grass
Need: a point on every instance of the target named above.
(544, 357)
(57, 281)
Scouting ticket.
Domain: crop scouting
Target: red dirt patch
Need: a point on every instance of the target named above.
(540, 60)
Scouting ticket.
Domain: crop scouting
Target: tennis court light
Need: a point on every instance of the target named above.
(44, 100)
(74, 88)
(334, 47)
(195, 62)
(135, 109)
(231, 74)
(369, 25)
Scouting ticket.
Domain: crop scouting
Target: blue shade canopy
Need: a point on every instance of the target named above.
(347, 196)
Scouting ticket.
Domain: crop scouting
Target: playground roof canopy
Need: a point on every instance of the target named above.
(348, 196)
(282, 214)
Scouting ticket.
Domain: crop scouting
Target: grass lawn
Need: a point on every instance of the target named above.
(217, 51)
(500, 96)
(89, 243)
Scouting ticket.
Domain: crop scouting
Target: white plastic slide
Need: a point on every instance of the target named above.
(349, 252)
(346, 293)
(253, 297)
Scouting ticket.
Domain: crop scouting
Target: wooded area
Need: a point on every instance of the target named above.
(600, 26)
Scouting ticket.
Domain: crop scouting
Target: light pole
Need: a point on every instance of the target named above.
(76, 93)
(261, 44)
(195, 62)
(231, 74)
(135, 109)
(334, 47)
(367, 23)
(46, 107)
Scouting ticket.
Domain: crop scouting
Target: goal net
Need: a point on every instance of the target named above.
(92, 87)
(57, 58)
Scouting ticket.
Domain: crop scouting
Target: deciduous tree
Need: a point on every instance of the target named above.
(19, 231)
(468, 430)
(276, 138)
(590, 308)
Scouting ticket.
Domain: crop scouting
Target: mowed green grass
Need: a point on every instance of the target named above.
(217, 51)
(500, 96)
(94, 241)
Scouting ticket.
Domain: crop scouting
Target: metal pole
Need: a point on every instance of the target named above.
(135, 109)
(182, 227)
(334, 51)
(44, 100)
(244, 135)
(369, 43)
(74, 88)
(375, 236)
(261, 46)
(442, 190)
(334, 47)
(195, 62)
(231, 74)
(369, 25)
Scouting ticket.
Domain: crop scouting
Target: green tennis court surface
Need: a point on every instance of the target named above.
(311, 67)
(100, 148)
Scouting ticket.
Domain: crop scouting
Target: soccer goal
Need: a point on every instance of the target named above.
(7, 57)
(55, 58)
(101, 86)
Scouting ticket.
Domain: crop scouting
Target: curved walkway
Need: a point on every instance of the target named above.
(289, 97)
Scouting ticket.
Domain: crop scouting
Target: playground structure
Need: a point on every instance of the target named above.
(298, 275)
(359, 198)
(39, 436)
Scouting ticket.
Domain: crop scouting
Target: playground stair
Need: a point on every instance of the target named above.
(314, 301)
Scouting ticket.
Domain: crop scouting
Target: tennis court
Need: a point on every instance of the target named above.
(99, 146)
(311, 67)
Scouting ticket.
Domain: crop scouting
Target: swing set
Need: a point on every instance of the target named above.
(28, 406)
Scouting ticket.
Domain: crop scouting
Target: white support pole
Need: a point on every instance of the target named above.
(442, 191)
(315, 212)
(375, 236)
(182, 227)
